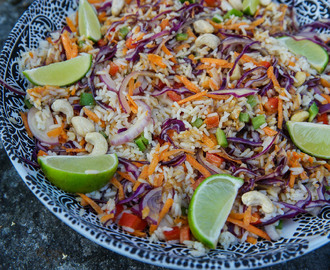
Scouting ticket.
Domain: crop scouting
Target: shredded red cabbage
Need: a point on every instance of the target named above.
(176, 161)
(171, 124)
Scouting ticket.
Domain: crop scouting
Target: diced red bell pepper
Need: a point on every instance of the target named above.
(323, 118)
(265, 64)
(113, 69)
(271, 105)
(129, 43)
(132, 221)
(174, 234)
(197, 182)
(184, 234)
(119, 209)
(214, 159)
(212, 3)
(212, 122)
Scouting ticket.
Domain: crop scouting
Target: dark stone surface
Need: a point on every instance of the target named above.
(32, 238)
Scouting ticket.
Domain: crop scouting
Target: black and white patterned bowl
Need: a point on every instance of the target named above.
(302, 234)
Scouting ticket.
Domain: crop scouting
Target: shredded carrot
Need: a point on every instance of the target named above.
(283, 9)
(269, 131)
(247, 216)
(251, 240)
(154, 161)
(292, 64)
(97, 208)
(280, 114)
(191, 33)
(107, 217)
(327, 165)
(95, 1)
(225, 156)
(41, 153)
(192, 87)
(152, 228)
(126, 176)
(71, 25)
(324, 82)
(133, 105)
(120, 188)
(26, 124)
(157, 60)
(144, 173)
(193, 97)
(165, 155)
(208, 141)
(249, 228)
(102, 16)
(271, 76)
(217, 62)
(158, 180)
(71, 51)
(49, 39)
(218, 97)
(164, 23)
(165, 209)
(55, 132)
(181, 47)
(31, 54)
(212, 122)
(193, 162)
(292, 180)
(138, 233)
(238, 216)
(75, 150)
(326, 97)
(257, 22)
(136, 185)
(91, 115)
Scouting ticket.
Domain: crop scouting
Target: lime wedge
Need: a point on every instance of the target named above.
(81, 174)
(89, 25)
(311, 138)
(250, 6)
(314, 53)
(210, 206)
(61, 73)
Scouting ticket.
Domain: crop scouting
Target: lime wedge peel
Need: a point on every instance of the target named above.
(250, 6)
(79, 174)
(210, 206)
(311, 138)
(61, 73)
(89, 25)
(316, 56)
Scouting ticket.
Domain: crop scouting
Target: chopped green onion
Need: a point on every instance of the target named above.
(313, 111)
(252, 101)
(217, 18)
(190, 1)
(123, 32)
(141, 142)
(27, 103)
(327, 188)
(197, 123)
(87, 99)
(244, 117)
(81, 43)
(234, 12)
(279, 225)
(103, 134)
(181, 36)
(258, 121)
(221, 137)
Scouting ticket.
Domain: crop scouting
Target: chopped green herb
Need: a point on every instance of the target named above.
(81, 43)
(313, 111)
(252, 101)
(103, 134)
(123, 32)
(258, 121)
(221, 137)
(181, 36)
(217, 18)
(87, 99)
(197, 123)
(234, 12)
(27, 103)
(279, 225)
(244, 117)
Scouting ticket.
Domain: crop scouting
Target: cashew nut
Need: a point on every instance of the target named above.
(82, 125)
(209, 40)
(300, 116)
(117, 6)
(98, 141)
(203, 27)
(237, 4)
(255, 198)
(265, 2)
(300, 78)
(63, 106)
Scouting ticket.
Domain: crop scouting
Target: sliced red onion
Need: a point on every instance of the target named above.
(324, 108)
(244, 141)
(271, 182)
(130, 167)
(152, 200)
(105, 53)
(210, 167)
(122, 130)
(262, 152)
(12, 89)
(123, 87)
(318, 203)
(136, 129)
(236, 92)
(41, 135)
(245, 74)
(139, 191)
(176, 161)
(247, 171)
(181, 90)
(106, 79)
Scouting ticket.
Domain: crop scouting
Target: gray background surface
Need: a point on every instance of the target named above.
(33, 238)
